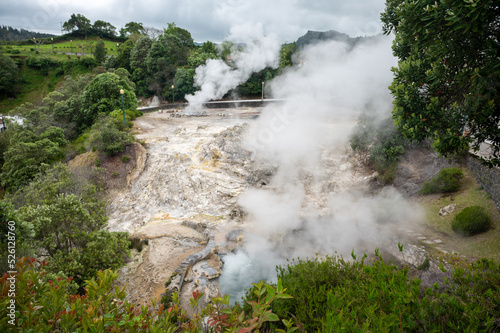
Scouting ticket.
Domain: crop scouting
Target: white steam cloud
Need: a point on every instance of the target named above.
(216, 77)
(309, 206)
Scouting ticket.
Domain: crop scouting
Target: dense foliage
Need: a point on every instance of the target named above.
(29, 154)
(446, 83)
(8, 76)
(43, 305)
(448, 180)
(326, 295)
(60, 216)
(471, 221)
(106, 137)
(102, 96)
(332, 294)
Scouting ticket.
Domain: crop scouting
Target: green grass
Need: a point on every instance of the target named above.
(485, 245)
(35, 85)
(71, 47)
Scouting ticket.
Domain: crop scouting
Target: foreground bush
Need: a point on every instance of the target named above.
(471, 221)
(331, 295)
(48, 306)
(334, 295)
(447, 181)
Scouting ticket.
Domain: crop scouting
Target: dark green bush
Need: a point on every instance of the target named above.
(125, 158)
(106, 137)
(335, 295)
(447, 181)
(471, 221)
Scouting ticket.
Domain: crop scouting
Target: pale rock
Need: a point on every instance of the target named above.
(447, 209)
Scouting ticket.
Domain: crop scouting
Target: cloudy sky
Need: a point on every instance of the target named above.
(205, 19)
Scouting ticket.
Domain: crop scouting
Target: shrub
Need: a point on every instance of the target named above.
(106, 137)
(447, 181)
(471, 221)
(50, 306)
(335, 295)
(125, 158)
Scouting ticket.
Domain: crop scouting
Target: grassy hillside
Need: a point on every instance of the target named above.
(60, 48)
(35, 83)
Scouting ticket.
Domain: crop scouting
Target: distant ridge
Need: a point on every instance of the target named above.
(8, 33)
(313, 37)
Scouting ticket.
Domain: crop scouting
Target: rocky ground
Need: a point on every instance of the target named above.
(183, 187)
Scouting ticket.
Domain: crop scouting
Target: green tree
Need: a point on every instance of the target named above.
(64, 224)
(134, 28)
(10, 220)
(138, 66)
(102, 250)
(287, 51)
(84, 183)
(209, 47)
(253, 86)
(8, 76)
(184, 82)
(29, 154)
(446, 83)
(167, 53)
(77, 22)
(102, 95)
(123, 59)
(100, 52)
(105, 28)
(184, 36)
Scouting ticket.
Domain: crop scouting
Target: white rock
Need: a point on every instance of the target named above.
(447, 209)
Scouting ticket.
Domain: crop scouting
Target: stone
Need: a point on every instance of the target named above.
(447, 209)
(438, 241)
(345, 166)
(421, 237)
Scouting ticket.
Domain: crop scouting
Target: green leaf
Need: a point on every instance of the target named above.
(270, 293)
(269, 316)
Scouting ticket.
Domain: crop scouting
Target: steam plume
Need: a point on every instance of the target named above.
(216, 77)
(295, 215)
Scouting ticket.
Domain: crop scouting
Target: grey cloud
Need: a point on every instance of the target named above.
(205, 19)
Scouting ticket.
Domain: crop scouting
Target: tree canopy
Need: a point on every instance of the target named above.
(8, 75)
(77, 22)
(102, 95)
(446, 85)
(104, 27)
